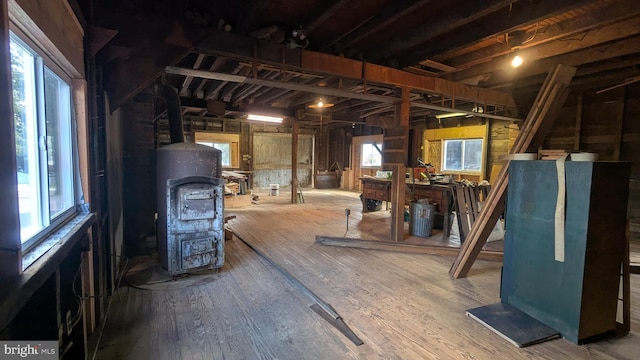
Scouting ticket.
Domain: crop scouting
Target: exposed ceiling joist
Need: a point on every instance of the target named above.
(247, 49)
(386, 17)
(577, 58)
(280, 85)
(430, 31)
(522, 13)
(541, 34)
(581, 41)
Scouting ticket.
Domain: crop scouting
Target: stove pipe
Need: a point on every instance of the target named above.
(174, 112)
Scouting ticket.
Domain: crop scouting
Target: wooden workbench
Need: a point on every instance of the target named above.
(438, 194)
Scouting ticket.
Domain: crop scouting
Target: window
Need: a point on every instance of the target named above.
(227, 143)
(225, 158)
(462, 155)
(44, 143)
(371, 155)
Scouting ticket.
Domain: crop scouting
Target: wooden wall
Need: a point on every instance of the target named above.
(272, 159)
(55, 29)
(608, 125)
(502, 135)
(139, 171)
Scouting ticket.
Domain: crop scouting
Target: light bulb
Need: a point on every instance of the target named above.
(320, 104)
(516, 61)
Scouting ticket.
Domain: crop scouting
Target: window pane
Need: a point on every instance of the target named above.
(472, 154)
(57, 103)
(453, 154)
(226, 153)
(371, 156)
(26, 134)
(225, 157)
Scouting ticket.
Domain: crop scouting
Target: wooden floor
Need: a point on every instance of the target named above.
(403, 306)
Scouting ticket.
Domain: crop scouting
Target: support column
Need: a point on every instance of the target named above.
(295, 127)
(398, 151)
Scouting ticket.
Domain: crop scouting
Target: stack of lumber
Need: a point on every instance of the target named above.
(551, 154)
(545, 109)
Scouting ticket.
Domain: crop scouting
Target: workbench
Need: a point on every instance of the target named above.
(438, 194)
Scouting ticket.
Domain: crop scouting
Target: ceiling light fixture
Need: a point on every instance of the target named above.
(450, 115)
(321, 104)
(515, 40)
(516, 60)
(273, 119)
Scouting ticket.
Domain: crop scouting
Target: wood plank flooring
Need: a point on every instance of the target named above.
(403, 306)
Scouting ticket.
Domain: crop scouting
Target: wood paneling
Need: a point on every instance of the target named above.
(608, 126)
(272, 159)
(433, 146)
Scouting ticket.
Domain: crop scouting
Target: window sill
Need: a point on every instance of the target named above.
(39, 263)
(59, 237)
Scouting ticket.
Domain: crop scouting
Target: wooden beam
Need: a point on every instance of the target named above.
(545, 108)
(325, 16)
(398, 182)
(99, 37)
(518, 15)
(578, 127)
(618, 128)
(279, 85)
(424, 34)
(184, 90)
(437, 65)
(581, 41)
(541, 34)
(295, 129)
(155, 44)
(404, 248)
(242, 48)
(385, 17)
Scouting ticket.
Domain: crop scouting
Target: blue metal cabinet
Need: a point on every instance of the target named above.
(577, 297)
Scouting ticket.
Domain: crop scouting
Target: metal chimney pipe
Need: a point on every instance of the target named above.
(174, 111)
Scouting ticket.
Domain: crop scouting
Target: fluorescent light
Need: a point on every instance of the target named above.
(264, 118)
(449, 115)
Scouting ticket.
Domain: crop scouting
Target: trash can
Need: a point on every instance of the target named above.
(421, 219)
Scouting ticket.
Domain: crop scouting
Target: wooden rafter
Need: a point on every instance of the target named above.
(585, 40)
(541, 34)
(520, 14)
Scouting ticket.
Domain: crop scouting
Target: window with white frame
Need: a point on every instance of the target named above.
(371, 155)
(225, 148)
(44, 142)
(464, 155)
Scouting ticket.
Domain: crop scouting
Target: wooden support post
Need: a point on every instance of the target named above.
(545, 109)
(617, 140)
(397, 202)
(578, 130)
(295, 127)
(399, 168)
(10, 245)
